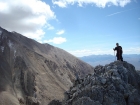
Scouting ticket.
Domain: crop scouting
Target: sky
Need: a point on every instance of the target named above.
(81, 27)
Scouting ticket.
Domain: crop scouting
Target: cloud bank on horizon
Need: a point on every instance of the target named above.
(97, 51)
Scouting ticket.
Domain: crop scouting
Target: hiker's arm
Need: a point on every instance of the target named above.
(115, 48)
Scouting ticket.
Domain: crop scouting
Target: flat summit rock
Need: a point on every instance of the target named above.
(117, 83)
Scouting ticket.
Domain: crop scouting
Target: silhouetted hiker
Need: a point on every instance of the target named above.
(119, 52)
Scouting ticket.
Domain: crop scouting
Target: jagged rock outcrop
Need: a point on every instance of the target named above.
(34, 74)
(117, 83)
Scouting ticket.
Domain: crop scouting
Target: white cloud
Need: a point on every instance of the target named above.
(49, 27)
(56, 40)
(60, 32)
(60, 3)
(124, 2)
(3, 6)
(27, 17)
(98, 3)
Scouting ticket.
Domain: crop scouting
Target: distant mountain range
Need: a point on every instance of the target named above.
(95, 60)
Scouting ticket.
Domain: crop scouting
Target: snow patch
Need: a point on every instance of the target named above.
(2, 48)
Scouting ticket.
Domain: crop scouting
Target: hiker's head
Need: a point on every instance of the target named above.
(117, 44)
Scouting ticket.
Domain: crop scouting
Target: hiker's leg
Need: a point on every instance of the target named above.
(121, 58)
(117, 57)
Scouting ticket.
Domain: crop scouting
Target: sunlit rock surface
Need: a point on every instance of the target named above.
(117, 83)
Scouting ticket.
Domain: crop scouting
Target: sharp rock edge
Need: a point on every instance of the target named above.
(117, 83)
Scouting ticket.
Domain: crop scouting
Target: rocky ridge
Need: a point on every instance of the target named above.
(117, 83)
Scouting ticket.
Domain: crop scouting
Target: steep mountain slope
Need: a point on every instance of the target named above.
(34, 73)
(117, 83)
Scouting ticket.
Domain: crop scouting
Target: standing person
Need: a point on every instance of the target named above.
(119, 52)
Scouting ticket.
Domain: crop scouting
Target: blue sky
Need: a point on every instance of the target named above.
(82, 27)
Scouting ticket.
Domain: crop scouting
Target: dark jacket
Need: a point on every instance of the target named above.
(119, 50)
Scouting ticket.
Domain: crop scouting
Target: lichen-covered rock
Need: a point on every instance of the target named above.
(117, 83)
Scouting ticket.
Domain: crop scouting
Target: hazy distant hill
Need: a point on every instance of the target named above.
(105, 59)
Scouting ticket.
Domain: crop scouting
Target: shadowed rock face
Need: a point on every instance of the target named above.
(117, 83)
(34, 74)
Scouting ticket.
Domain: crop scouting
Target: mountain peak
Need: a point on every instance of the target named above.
(117, 83)
(33, 73)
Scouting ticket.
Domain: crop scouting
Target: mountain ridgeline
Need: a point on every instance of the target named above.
(34, 74)
(117, 83)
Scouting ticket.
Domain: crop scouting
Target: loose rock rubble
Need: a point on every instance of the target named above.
(117, 83)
